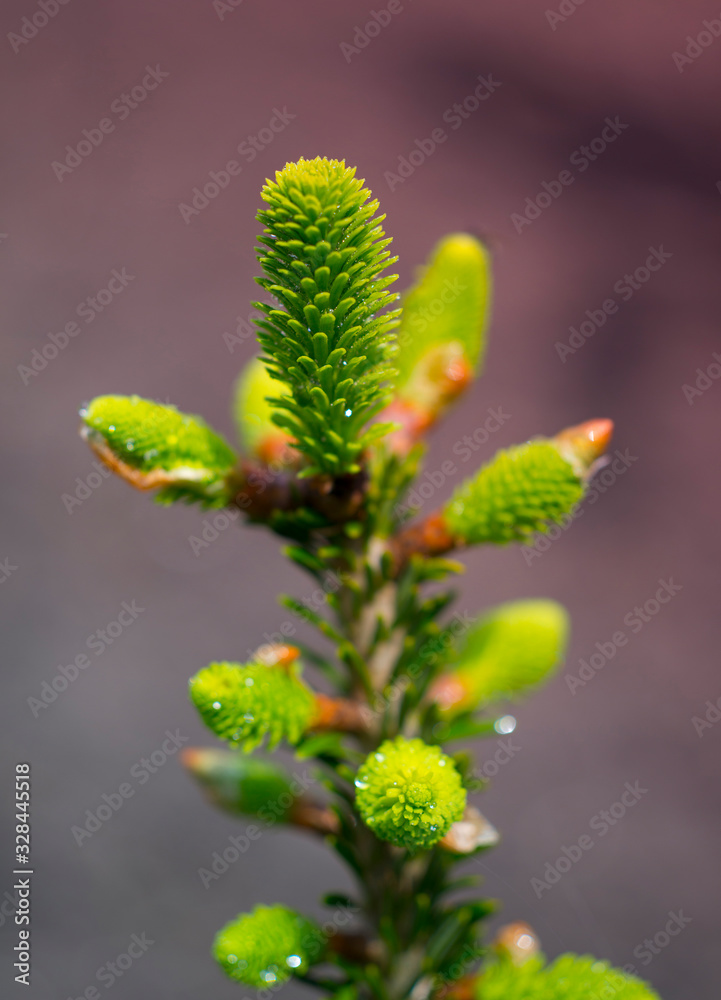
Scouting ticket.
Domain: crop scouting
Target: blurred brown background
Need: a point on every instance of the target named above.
(232, 68)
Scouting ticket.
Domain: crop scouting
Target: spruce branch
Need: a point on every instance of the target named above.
(402, 679)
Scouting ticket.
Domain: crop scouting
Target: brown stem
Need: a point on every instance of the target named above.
(341, 714)
(260, 491)
(429, 537)
(356, 948)
(313, 817)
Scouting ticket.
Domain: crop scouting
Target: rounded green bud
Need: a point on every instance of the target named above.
(570, 977)
(511, 650)
(238, 783)
(153, 445)
(409, 793)
(520, 492)
(268, 946)
(244, 704)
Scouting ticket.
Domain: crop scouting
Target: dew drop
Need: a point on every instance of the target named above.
(217, 704)
(506, 724)
(293, 961)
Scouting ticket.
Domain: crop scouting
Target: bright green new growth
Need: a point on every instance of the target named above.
(152, 438)
(512, 650)
(323, 255)
(266, 947)
(244, 704)
(242, 784)
(570, 977)
(449, 305)
(520, 492)
(409, 793)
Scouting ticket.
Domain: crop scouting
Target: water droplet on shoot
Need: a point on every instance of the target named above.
(506, 724)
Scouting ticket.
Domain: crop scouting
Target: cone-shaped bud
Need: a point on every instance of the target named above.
(260, 438)
(328, 341)
(409, 793)
(240, 784)
(470, 833)
(572, 977)
(517, 942)
(520, 492)
(156, 446)
(244, 704)
(441, 338)
(266, 947)
(510, 651)
(584, 444)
